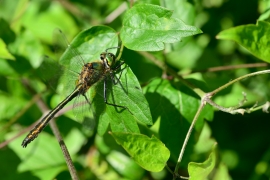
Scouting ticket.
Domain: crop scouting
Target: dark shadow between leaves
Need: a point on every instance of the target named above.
(173, 126)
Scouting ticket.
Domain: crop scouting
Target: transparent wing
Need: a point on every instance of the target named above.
(83, 112)
(50, 71)
(70, 72)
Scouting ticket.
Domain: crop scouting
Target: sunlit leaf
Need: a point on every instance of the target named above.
(147, 27)
(255, 38)
(150, 153)
(182, 9)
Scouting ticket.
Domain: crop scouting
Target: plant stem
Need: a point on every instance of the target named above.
(188, 136)
(120, 52)
(64, 149)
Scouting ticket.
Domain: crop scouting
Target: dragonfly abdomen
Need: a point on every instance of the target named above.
(44, 121)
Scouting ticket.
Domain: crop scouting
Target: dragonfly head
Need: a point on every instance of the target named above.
(108, 58)
(111, 57)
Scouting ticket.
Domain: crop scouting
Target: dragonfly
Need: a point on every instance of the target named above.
(90, 74)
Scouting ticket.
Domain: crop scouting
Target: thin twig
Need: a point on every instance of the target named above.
(131, 2)
(117, 12)
(120, 52)
(64, 149)
(71, 8)
(224, 109)
(188, 136)
(176, 176)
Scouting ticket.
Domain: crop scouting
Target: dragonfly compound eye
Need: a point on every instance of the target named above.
(103, 56)
(111, 58)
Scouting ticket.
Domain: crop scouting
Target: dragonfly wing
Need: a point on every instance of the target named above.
(83, 112)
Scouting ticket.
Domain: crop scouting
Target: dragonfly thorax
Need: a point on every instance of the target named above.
(90, 74)
(94, 71)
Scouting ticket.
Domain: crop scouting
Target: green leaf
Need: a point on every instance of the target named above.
(200, 171)
(147, 27)
(4, 53)
(86, 47)
(150, 153)
(255, 38)
(127, 93)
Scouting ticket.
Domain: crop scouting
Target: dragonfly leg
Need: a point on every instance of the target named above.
(105, 98)
(118, 66)
(113, 77)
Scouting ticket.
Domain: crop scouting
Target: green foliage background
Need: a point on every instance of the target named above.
(27, 35)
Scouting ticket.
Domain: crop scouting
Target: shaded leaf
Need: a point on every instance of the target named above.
(175, 106)
(6, 33)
